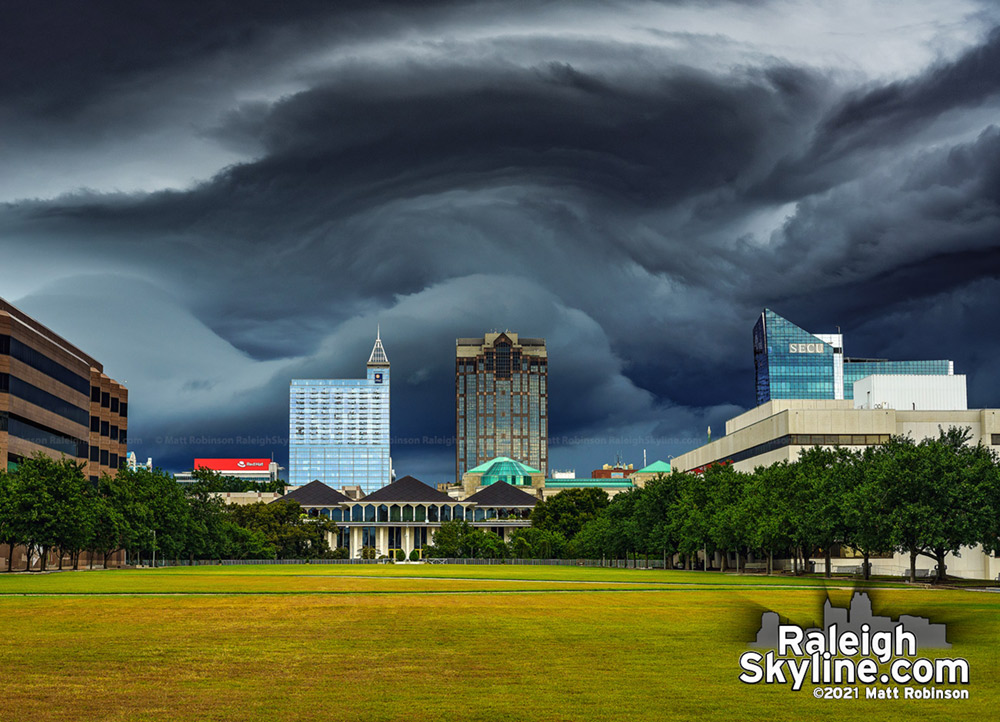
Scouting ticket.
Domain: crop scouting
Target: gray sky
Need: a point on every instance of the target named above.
(215, 201)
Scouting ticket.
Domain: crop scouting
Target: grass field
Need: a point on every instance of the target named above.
(421, 642)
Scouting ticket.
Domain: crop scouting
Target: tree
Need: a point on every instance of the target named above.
(653, 509)
(450, 540)
(766, 507)
(35, 509)
(625, 529)
(292, 534)
(865, 507)
(8, 521)
(819, 490)
(569, 510)
(727, 522)
(209, 480)
(593, 541)
(932, 501)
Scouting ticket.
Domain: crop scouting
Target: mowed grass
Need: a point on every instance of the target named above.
(434, 643)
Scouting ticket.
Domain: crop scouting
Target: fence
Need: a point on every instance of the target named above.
(607, 563)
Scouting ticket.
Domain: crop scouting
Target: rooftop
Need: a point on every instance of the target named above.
(407, 489)
(315, 493)
(502, 494)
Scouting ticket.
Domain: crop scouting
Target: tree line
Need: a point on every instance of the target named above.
(926, 498)
(49, 505)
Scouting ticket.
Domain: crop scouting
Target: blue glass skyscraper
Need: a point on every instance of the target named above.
(791, 363)
(339, 428)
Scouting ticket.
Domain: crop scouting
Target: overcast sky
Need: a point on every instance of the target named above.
(215, 201)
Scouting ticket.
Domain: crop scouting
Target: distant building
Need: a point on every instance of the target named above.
(256, 470)
(791, 363)
(339, 428)
(780, 430)
(501, 401)
(133, 463)
(617, 470)
(651, 471)
(405, 514)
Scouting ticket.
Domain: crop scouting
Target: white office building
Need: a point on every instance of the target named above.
(339, 428)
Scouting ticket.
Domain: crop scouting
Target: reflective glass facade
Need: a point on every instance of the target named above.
(501, 394)
(856, 369)
(339, 430)
(791, 363)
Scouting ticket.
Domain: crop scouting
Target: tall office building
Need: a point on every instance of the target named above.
(791, 363)
(56, 399)
(501, 393)
(339, 428)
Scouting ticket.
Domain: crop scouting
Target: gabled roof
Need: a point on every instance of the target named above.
(315, 493)
(502, 494)
(378, 357)
(521, 469)
(408, 489)
(657, 467)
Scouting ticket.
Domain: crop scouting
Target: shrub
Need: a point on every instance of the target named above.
(400, 555)
(415, 555)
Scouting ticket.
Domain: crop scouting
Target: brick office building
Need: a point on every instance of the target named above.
(57, 400)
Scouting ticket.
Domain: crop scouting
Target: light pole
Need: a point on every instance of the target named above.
(154, 548)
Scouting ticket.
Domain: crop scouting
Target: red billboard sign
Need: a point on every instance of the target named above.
(231, 465)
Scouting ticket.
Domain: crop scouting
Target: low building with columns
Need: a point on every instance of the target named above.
(405, 514)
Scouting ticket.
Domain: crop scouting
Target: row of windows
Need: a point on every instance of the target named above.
(107, 401)
(40, 362)
(804, 440)
(28, 430)
(106, 458)
(43, 399)
(106, 428)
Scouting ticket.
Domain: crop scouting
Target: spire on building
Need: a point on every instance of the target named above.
(378, 357)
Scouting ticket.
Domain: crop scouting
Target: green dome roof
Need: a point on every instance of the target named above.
(503, 468)
(657, 467)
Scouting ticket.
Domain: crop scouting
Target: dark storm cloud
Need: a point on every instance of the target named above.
(635, 196)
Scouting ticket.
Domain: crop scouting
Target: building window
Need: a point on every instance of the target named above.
(95, 453)
(104, 457)
(95, 424)
(105, 400)
(114, 433)
(996, 440)
(105, 428)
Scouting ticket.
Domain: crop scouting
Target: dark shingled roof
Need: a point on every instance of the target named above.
(500, 493)
(315, 493)
(409, 489)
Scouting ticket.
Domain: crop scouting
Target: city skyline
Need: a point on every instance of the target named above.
(236, 197)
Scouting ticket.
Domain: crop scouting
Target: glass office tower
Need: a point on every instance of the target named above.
(501, 401)
(339, 428)
(791, 363)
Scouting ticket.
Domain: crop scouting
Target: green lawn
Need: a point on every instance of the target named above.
(434, 642)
